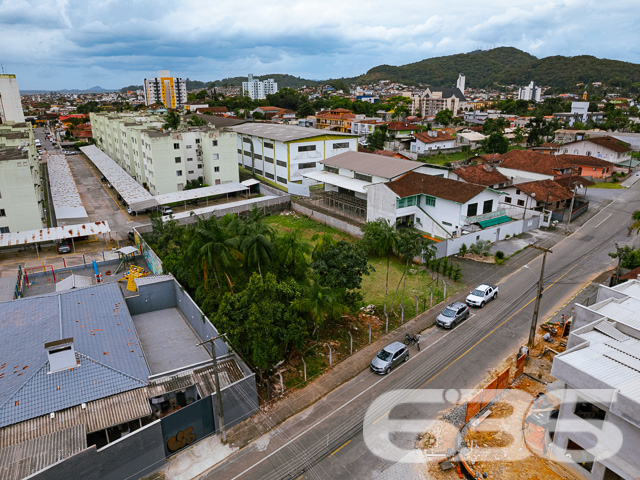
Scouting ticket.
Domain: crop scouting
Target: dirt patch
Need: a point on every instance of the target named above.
(480, 258)
(489, 439)
(501, 410)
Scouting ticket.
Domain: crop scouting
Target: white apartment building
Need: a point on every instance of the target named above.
(170, 91)
(21, 205)
(164, 161)
(282, 153)
(259, 89)
(432, 101)
(10, 103)
(530, 93)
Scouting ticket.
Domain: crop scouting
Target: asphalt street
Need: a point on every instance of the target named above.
(326, 440)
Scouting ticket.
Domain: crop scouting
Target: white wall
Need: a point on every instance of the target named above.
(10, 103)
(585, 147)
(523, 175)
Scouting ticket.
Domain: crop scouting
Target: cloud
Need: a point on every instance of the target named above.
(118, 42)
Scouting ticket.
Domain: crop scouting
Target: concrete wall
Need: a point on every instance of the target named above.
(239, 401)
(153, 297)
(327, 220)
(133, 456)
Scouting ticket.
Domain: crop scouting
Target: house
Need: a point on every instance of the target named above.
(606, 147)
(219, 111)
(537, 195)
(338, 120)
(90, 373)
(402, 129)
(471, 138)
(481, 174)
(432, 140)
(281, 153)
(352, 173)
(365, 127)
(440, 207)
(587, 166)
(598, 377)
(526, 165)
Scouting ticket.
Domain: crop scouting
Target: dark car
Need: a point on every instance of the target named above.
(131, 236)
(389, 357)
(452, 315)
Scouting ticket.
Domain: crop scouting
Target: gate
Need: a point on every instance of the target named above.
(188, 425)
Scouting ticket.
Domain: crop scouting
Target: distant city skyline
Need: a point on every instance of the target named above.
(68, 44)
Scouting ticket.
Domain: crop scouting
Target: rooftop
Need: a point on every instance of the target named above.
(12, 154)
(481, 174)
(64, 193)
(534, 162)
(433, 136)
(284, 133)
(608, 142)
(418, 183)
(542, 188)
(372, 164)
(586, 160)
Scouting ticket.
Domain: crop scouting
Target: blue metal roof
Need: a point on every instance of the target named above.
(104, 338)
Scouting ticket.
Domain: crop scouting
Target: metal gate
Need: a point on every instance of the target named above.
(188, 425)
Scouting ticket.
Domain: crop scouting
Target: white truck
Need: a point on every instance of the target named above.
(481, 295)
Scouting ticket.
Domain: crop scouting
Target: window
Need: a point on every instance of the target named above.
(215, 142)
(258, 172)
(580, 455)
(245, 140)
(341, 145)
(517, 192)
(216, 169)
(268, 175)
(589, 412)
(216, 156)
(307, 165)
(521, 203)
(268, 145)
(327, 168)
(199, 165)
(180, 186)
(189, 146)
(507, 199)
(411, 201)
(362, 176)
(488, 206)
(178, 159)
(176, 146)
(217, 181)
(472, 210)
(401, 202)
(2, 212)
(307, 148)
(280, 163)
(189, 159)
(268, 159)
(281, 180)
(239, 150)
(178, 173)
(248, 154)
(4, 229)
(429, 201)
(190, 172)
(256, 156)
(197, 140)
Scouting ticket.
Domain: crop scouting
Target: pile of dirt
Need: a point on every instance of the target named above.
(488, 439)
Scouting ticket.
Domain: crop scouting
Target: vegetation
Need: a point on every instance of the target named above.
(630, 257)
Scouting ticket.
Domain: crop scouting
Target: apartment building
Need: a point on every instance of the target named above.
(530, 93)
(281, 153)
(432, 101)
(259, 89)
(164, 161)
(21, 204)
(170, 91)
(338, 120)
(10, 103)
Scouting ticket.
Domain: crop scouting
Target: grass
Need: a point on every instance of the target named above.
(307, 227)
(610, 186)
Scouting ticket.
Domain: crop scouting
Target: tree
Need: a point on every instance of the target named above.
(288, 98)
(196, 121)
(410, 246)
(321, 304)
(88, 107)
(443, 117)
(377, 138)
(635, 226)
(381, 239)
(496, 143)
(255, 241)
(292, 253)
(172, 120)
(202, 94)
(518, 135)
(305, 109)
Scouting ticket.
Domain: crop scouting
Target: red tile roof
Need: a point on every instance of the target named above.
(587, 160)
(401, 126)
(481, 175)
(415, 183)
(213, 110)
(425, 137)
(611, 143)
(530, 161)
(557, 192)
(570, 181)
(631, 274)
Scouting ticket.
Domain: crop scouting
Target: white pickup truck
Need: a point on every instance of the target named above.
(481, 295)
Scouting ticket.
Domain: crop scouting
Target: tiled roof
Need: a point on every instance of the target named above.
(530, 161)
(401, 126)
(212, 109)
(426, 137)
(556, 191)
(611, 143)
(584, 160)
(481, 175)
(415, 183)
(570, 180)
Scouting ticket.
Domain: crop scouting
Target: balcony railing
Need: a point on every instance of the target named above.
(484, 216)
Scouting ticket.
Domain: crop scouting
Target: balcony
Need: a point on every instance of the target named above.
(484, 216)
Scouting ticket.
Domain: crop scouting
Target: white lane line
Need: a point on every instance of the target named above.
(605, 219)
(336, 410)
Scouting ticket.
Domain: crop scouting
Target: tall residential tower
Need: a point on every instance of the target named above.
(170, 91)
(10, 104)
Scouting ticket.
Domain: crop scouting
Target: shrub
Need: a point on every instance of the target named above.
(463, 250)
(499, 255)
(480, 248)
(457, 273)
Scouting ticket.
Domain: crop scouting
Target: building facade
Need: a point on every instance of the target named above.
(259, 89)
(170, 91)
(10, 103)
(530, 93)
(21, 198)
(164, 161)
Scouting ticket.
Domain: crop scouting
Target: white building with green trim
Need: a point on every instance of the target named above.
(283, 153)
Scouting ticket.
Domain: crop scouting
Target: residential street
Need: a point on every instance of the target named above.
(326, 439)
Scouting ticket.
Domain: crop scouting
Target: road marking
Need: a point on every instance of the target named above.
(380, 417)
(340, 448)
(311, 427)
(605, 219)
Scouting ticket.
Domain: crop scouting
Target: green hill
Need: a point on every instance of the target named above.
(283, 80)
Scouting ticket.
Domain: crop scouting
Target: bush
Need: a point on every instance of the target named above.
(463, 250)
(457, 273)
(480, 248)
(499, 255)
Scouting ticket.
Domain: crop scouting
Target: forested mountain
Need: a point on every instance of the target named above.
(282, 80)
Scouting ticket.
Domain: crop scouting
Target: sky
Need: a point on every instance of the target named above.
(58, 44)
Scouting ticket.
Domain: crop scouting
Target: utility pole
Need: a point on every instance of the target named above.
(223, 432)
(573, 198)
(617, 277)
(534, 319)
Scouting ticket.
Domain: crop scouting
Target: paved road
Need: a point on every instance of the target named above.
(326, 440)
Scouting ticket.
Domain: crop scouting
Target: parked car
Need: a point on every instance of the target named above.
(389, 357)
(64, 247)
(452, 315)
(482, 295)
(165, 210)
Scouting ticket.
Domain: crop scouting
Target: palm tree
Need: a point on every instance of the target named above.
(173, 120)
(254, 239)
(293, 250)
(381, 239)
(323, 242)
(213, 245)
(320, 304)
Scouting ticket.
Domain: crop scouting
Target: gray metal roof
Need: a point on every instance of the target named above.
(107, 348)
(213, 208)
(203, 192)
(53, 233)
(64, 193)
(284, 133)
(372, 164)
(124, 183)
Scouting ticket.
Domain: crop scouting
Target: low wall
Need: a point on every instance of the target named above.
(329, 220)
(239, 402)
(492, 234)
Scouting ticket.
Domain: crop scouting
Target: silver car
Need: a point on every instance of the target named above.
(452, 315)
(389, 357)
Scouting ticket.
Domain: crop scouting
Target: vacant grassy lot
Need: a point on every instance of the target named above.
(612, 186)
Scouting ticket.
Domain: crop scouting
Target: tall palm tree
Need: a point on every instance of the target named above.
(381, 239)
(172, 120)
(293, 250)
(211, 244)
(255, 240)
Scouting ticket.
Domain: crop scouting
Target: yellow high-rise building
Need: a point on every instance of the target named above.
(170, 91)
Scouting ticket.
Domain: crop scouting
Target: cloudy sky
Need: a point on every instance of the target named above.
(56, 44)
